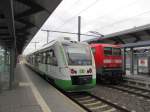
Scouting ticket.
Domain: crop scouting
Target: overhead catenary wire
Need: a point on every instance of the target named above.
(120, 21)
(89, 6)
(71, 33)
(119, 8)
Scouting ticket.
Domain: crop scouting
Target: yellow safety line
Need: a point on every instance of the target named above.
(38, 96)
(76, 105)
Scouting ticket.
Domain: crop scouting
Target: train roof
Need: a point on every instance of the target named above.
(104, 45)
(61, 40)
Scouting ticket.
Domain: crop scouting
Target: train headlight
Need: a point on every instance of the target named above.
(89, 70)
(72, 71)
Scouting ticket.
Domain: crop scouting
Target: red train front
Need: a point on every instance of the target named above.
(108, 61)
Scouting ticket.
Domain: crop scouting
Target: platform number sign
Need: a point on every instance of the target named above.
(143, 62)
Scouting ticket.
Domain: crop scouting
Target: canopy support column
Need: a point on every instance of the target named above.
(131, 61)
(124, 60)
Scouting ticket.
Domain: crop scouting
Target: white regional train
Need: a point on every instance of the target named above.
(69, 64)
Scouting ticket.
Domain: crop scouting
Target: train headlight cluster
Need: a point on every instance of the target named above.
(72, 71)
(89, 70)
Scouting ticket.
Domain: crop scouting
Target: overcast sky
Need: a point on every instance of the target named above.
(103, 16)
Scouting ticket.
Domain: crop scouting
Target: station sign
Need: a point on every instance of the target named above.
(143, 62)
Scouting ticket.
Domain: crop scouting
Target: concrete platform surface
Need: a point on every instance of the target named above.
(139, 77)
(34, 95)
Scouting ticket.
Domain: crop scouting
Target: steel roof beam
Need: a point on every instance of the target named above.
(32, 4)
(148, 32)
(3, 21)
(4, 34)
(28, 13)
(25, 28)
(29, 3)
(118, 40)
(7, 6)
(37, 8)
(4, 38)
(138, 44)
(27, 23)
(136, 37)
(3, 27)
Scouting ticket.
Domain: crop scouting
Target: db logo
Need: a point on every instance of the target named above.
(142, 61)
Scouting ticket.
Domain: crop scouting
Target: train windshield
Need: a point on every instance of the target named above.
(116, 51)
(107, 51)
(78, 55)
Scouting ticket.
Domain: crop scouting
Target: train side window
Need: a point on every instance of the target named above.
(30, 59)
(39, 58)
(54, 59)
(51, 58)
(116, 51)
(48, 58)
(43, 57)
(107, 51)
(93, 50)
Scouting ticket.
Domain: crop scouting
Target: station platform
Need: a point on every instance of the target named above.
(34, 94)
(138, 80)
(138, 77)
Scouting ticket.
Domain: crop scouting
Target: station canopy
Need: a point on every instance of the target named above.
(112, 21)
(21, 19)
(134, 37)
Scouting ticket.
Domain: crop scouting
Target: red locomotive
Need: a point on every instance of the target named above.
(108, 60)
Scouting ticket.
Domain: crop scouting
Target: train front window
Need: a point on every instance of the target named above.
(78, 55)
(107, 51)
(116, 51)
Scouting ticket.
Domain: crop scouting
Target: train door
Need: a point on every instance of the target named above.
(42, 64)
(36, 60)
(52, 64)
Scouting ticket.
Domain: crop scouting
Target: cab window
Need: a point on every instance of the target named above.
(116, 51)
(107, 51)
(51, 58)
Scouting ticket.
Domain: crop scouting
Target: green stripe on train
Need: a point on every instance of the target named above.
(67, 85)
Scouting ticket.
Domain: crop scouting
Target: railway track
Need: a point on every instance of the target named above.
(132, 90)
(92, 103)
